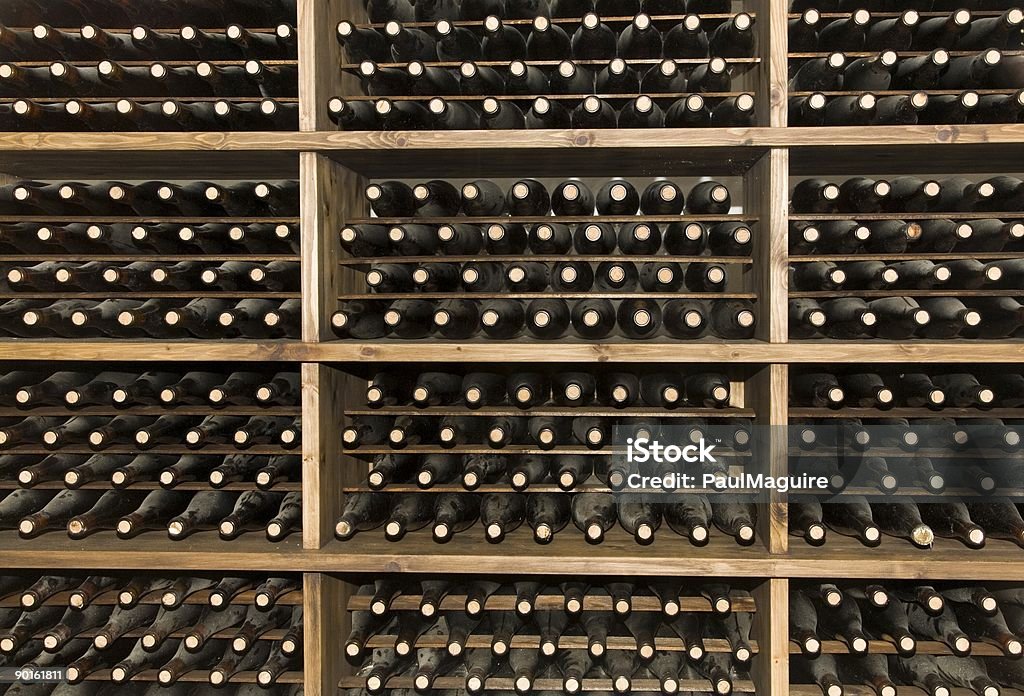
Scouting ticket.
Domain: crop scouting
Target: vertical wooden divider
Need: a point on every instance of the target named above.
(326, 627)
(770, 387)
(766, 194)
(331, 193)
(771, 629)
(772, 27)
(319, 56)
(321, 453)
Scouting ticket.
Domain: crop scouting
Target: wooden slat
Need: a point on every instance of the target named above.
(551, 602)
(510, 449)
(13, 412)
(750, 214)
(882, 647)
(134, 634)
(628, 643)
(559, 411)
(550, 488)
(506, 684)
(293, 598)
(857, 690)
(133, 449)
(198, 676)
(904, 412)
(154, 485)
(366, 262)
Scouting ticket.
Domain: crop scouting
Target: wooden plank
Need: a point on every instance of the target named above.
(770, 668)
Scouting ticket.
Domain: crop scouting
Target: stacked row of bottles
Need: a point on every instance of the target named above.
(160, 629)
(149, 66)
(150, 259)
(549, 635)
(547, 259)
(907, 258)
(850, 64)
(483, 453)
(908, 455)
(178, 450)
(943, 638)
(517, 64)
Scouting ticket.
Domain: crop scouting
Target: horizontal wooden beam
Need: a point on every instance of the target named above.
(692, 138)
(754, 352)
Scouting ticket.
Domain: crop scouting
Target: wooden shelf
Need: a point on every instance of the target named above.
(702, 351)
(469, 552)
(897, 559)
(149, 351)
(567, 554)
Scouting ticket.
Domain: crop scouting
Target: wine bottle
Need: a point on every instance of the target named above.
(547, 514)
(594, 514)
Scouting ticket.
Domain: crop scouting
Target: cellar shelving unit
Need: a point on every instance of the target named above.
(331, 165)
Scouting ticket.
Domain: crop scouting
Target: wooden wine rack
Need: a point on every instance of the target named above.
(334, 167)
